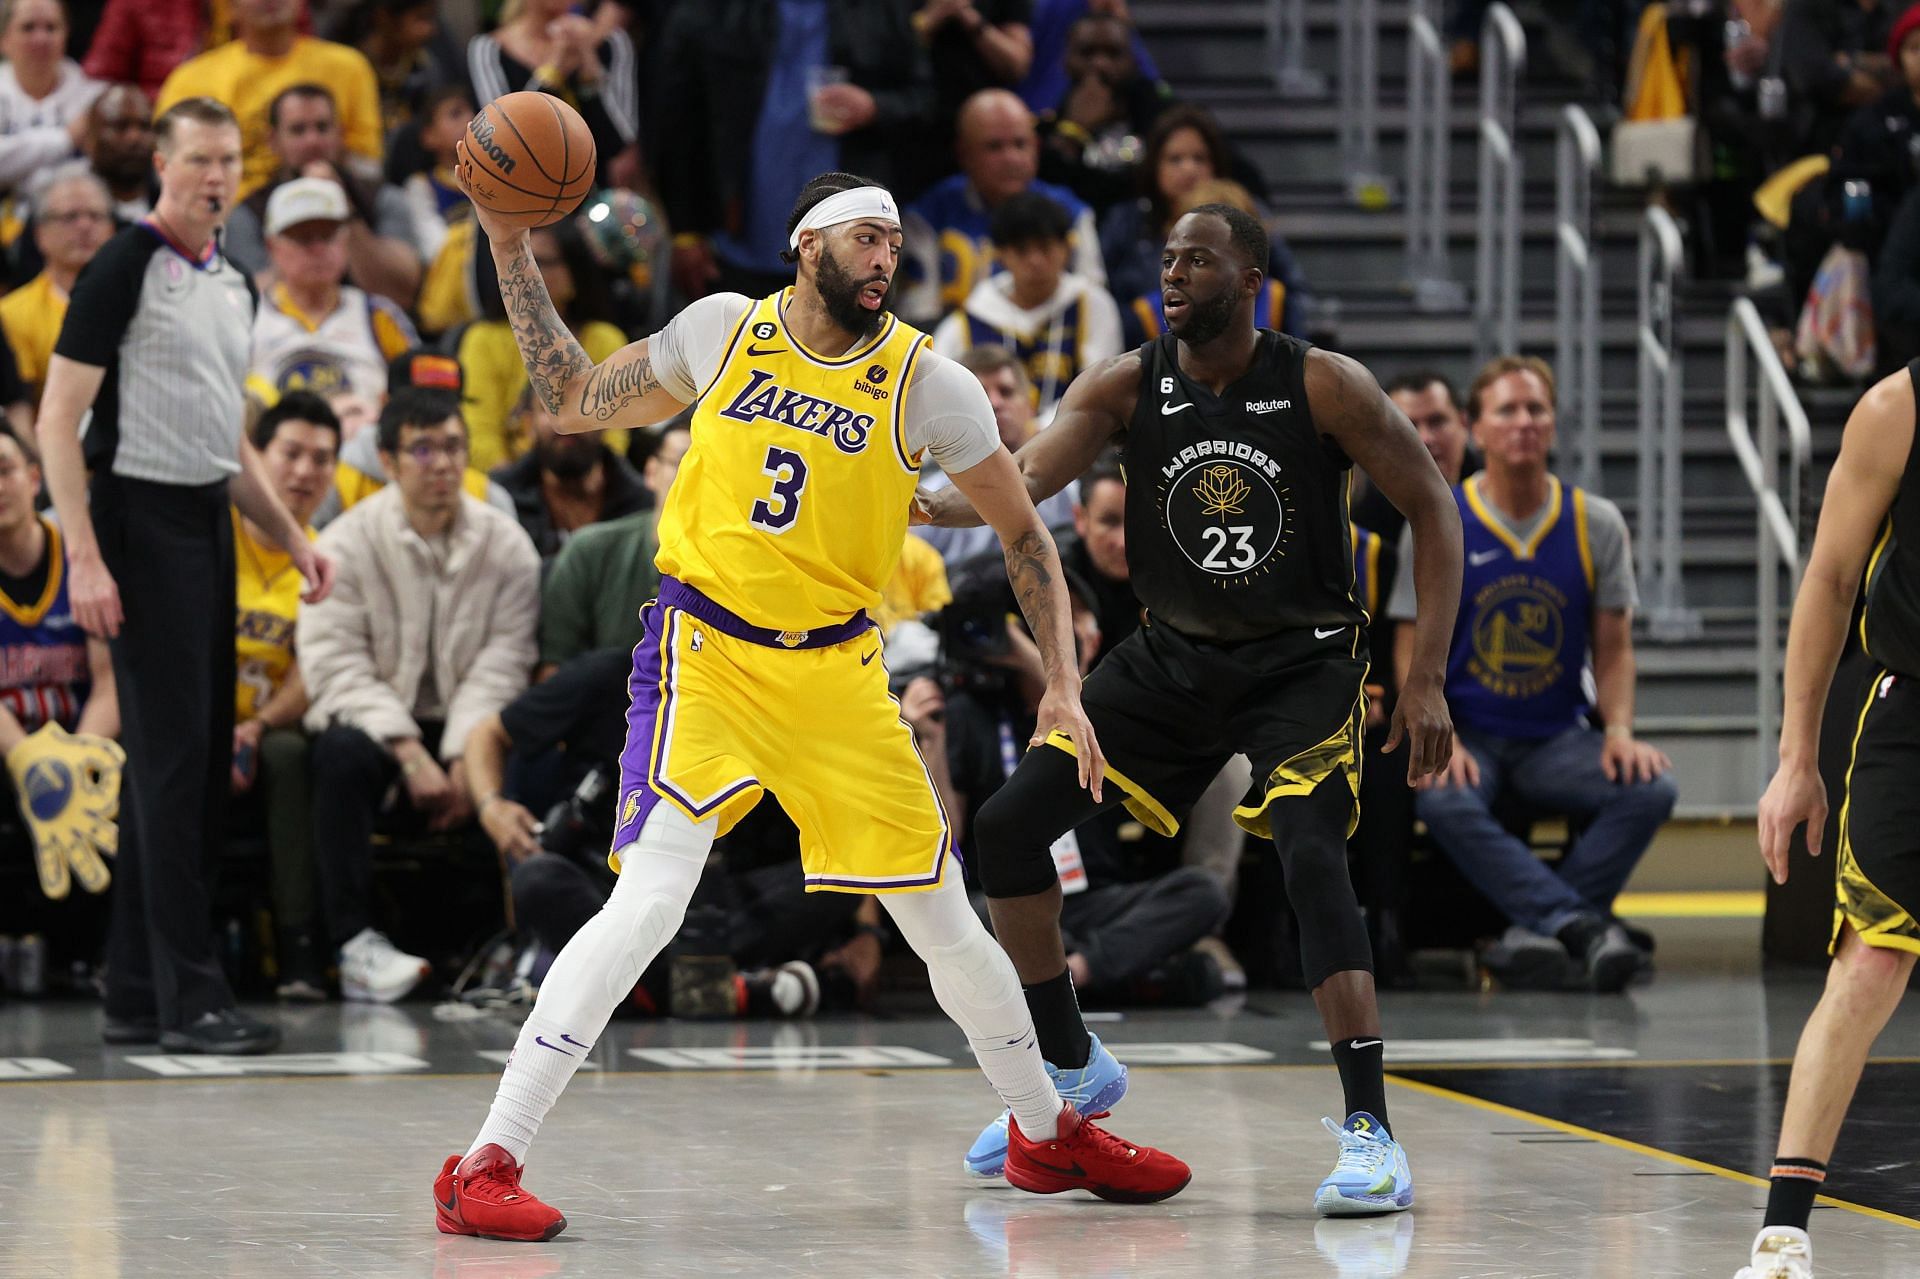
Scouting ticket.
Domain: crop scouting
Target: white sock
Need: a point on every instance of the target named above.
(594, 972)
(977, 986)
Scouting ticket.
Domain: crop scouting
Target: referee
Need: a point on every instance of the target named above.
(155, 344)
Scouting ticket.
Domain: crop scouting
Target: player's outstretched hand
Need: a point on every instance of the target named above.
(1421, 719)
(1795, 795)
(1061, 712)
(497, 231)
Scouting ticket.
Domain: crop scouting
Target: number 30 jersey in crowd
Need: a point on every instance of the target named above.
(1237, 522)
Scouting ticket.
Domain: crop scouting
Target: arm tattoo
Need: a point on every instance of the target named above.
(1032, 568)
(553, 355)
(614, 385)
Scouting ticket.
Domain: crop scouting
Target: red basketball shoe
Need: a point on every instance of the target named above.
(1083, 1156)
(481, 1195)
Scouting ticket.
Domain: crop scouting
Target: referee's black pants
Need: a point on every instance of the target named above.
(170, 550)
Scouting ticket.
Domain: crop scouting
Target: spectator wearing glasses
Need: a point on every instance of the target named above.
(430, 631)
(72, 219)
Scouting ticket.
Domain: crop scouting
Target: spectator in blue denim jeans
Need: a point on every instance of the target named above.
(1544, 639)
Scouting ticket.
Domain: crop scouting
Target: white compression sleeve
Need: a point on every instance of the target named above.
(977, 986)
(594, 972)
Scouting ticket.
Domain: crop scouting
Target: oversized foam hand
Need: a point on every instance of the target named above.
(68, 787)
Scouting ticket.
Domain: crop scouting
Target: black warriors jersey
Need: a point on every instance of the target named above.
(1236, 506)
(1890, 627)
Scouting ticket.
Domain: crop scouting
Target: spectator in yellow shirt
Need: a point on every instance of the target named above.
(298, 439)
(489, 354)
(72, 218)
(270, 55)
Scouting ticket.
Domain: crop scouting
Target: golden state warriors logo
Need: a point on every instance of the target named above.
(1518, 624)
(1224, 510)
(49, 787)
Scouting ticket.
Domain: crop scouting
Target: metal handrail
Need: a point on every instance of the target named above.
(1776, 522)
(1367, 184)
(1429, 140)
(1577, 290)
(1496, 298)
(1287, 51)
(1662, 258)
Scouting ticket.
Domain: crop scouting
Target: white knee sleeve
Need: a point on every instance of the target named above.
(972, 977)
(658, 873)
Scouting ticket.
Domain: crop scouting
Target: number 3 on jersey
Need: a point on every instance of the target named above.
(779, 509)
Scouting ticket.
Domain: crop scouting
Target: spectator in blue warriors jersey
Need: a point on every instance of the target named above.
(51, 672)
(1055, 323)
(1548, 597)
(949, 245)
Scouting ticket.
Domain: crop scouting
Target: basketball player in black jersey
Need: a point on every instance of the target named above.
(1869, 522)
(1238, 444)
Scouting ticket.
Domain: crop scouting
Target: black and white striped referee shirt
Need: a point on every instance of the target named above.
(173, 333)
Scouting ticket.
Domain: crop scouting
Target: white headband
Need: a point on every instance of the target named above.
(857, 205)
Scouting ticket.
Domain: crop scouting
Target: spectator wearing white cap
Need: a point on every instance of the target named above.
(313, 332)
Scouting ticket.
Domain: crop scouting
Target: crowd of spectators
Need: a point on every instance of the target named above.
(1802, 181)
(464, 683)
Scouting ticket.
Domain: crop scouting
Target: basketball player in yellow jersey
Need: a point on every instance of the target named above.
(759, 670)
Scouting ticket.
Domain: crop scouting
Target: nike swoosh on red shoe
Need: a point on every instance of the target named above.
(452, 1205)
(1075, 1171)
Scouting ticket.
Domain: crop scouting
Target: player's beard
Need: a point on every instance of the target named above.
(840, 294)
(1207, 319)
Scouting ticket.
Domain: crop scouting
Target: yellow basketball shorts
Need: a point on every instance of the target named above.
(722, 711)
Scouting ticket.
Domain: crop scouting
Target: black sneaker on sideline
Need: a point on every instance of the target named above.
(1612, 960)
(228, 1032)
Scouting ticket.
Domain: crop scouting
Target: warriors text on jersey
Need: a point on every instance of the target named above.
(1237, 521)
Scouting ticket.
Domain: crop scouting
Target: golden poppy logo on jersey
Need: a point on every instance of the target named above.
(763, 398)
(1519, 622)
(1220, 491)
(1225, 514)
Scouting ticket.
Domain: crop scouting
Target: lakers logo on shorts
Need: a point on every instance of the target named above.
(630, 809)
(1518, 625)
(794, 639)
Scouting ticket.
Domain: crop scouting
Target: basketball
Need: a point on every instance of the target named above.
(532, 158)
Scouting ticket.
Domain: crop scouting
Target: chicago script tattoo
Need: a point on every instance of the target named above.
(614, 386)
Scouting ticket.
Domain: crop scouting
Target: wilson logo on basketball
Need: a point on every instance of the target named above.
(482, 132)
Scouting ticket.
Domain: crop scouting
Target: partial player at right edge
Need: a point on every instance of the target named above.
(1238, 443)
(1869, 521)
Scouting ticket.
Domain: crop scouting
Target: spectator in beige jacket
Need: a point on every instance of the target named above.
(430, 630)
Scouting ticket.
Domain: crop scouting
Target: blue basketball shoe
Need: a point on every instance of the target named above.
(1371, 1175)
(1092, 1089)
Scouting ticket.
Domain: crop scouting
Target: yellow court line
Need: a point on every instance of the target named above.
(1633, 1147)
(1732, 904)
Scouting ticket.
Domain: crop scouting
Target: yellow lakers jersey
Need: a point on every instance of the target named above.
(267, 591)
(790, 508)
